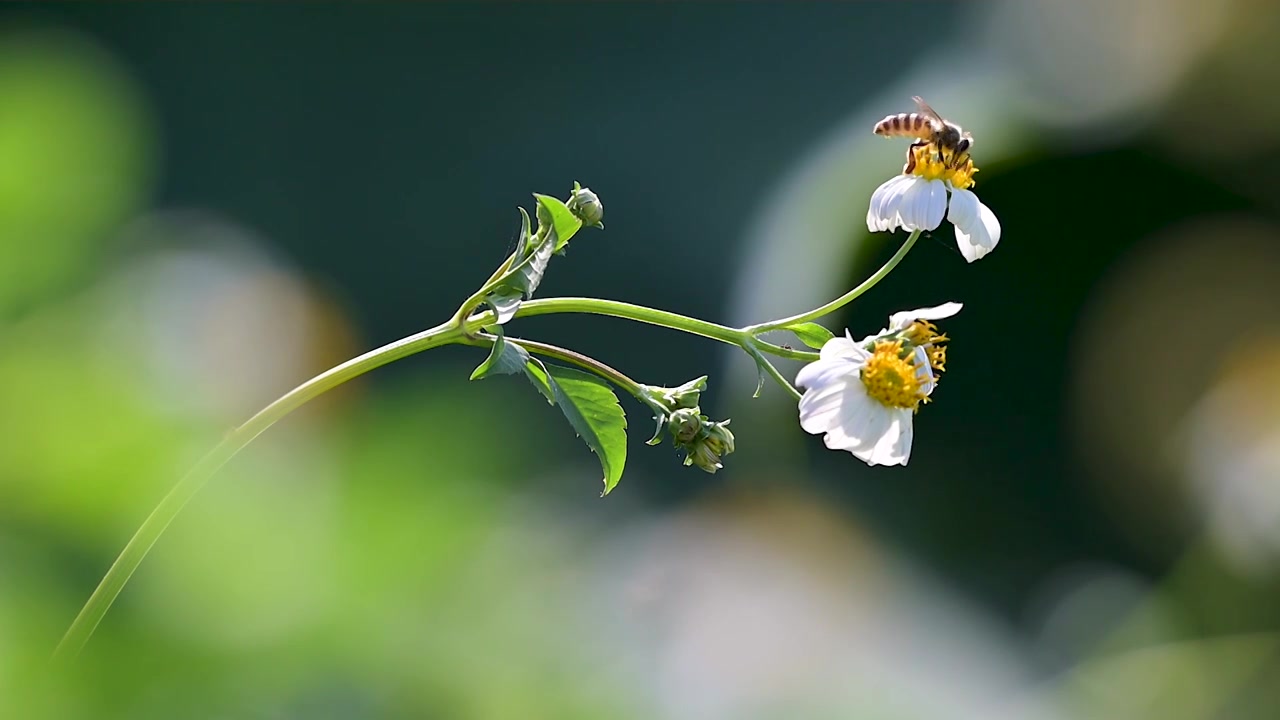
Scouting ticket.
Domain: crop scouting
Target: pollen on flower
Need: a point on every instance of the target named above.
(934, 164)
(891, 379)
(938, 358)
(925, 333)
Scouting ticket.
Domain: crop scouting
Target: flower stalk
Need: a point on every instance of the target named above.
(459, 330)
(890, 376)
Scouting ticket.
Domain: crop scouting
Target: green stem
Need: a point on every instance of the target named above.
(844, 299)
(455, 331)
(583, 361)
(763, 362)
(477, 298)
(613, 308)
(143, 540)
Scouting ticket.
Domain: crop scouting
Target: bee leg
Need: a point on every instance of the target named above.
(911, 156)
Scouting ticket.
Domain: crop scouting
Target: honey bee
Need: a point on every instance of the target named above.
(927, 126)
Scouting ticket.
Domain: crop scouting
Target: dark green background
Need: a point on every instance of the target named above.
(383, 148)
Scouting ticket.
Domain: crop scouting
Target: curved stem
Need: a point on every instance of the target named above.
(455, 331)
(142, 541)
(844, 299)
(478, 296)
(651, 316)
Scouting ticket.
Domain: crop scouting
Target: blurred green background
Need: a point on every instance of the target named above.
(203, 205)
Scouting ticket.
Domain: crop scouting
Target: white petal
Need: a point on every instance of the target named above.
(924, 371)
(821, 405)
(822, 373)
(842, 347)
(900, 320)
(882, 213)
(991, 223)
(893, 447)
(963, 210)
(922, 205)
(968, 248)
(977, 232)
(860, 423)
(937, 205)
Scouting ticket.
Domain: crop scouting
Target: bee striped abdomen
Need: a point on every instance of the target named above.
(914, 125)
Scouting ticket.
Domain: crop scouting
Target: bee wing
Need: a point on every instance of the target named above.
(937, 120)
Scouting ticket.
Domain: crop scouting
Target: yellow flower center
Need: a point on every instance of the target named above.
(923, 332)
(934, 164)
(892, 379)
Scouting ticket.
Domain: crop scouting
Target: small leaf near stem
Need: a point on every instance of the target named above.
(811, 334)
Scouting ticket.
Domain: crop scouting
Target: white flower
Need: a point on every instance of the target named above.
(861, 396)
(918, 201)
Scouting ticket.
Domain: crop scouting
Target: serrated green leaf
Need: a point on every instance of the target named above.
(537, 374)
(564, 224)
(811, 334)
(592, 409)
(504, 359)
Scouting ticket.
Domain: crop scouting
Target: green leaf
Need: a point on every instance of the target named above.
(564, 224)
(811, 334)
(592, 409)
(525, 274)
(759, 380)
(508, 358)
(520, 281)
(504, 305)
(526, 233)
(657, 432)
(504, 359)
(528, 274)
(537, 374)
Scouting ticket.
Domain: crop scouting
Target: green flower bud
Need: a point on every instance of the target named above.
(719, 438)
(586, 206)
(713, 443)
(685, 425)
(705, 458)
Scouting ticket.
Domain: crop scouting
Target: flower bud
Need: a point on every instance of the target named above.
(704, 458)
(719, 438)
(713, 443)
(586, 206)
(685, 424)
